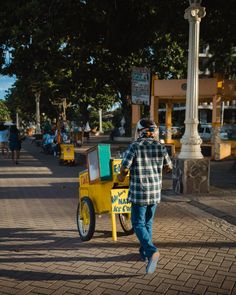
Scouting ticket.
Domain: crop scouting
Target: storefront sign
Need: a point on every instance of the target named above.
(141, 86)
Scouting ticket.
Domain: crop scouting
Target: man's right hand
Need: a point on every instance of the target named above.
(167, 169)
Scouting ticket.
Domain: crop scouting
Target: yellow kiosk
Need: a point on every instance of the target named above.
(100, 192)
(67, 154)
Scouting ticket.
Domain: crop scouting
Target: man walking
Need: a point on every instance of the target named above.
(145, 159)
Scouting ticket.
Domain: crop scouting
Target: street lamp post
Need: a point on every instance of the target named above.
(191, 140)
(37, 101)
(191, 170)
(100, 120)
(37, 93)
(17, 120)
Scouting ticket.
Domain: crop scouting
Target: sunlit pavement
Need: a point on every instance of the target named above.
(41, 252)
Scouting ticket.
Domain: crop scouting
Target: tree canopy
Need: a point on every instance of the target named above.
(4, 112)
(84, 50)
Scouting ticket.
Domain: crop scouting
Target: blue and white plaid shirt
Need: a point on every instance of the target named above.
(145, 159)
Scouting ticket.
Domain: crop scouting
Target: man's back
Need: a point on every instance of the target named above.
(145, 159)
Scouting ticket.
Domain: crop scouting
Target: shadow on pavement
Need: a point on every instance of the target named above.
(223, 174)
(216, 212)
(27, 239)
(48, 190)
(24, 275)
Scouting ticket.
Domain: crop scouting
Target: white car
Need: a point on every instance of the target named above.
(205, 133)
(224, 135)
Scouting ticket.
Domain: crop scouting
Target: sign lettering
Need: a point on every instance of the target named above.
(119, 201)
(141, 79)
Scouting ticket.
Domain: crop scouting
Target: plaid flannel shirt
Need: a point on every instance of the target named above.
(145, 159)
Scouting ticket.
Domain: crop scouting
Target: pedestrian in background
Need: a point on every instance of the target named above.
(87, 131)
(15, 143)
(4, 133)
(145, 159)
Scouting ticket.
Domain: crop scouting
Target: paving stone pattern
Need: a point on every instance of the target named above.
(41, 252)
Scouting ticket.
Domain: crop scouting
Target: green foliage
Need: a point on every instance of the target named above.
(107, 126)
(84, 50)
(4, 112)
(168, 58)
(218, 29)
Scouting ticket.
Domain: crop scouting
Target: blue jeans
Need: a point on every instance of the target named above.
(142, 220)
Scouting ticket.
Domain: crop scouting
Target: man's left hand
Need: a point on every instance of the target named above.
(120, 177)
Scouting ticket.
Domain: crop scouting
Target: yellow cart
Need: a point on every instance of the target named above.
(67, 154)
(100, 192)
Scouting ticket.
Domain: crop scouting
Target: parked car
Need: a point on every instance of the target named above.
(177, 132)
(205, 132)
(224, 135)
(230, 130)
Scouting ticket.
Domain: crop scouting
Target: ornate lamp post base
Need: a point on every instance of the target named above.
(191, 176)
(191, 143)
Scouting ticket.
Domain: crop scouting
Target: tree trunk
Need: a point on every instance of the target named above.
(127, 111)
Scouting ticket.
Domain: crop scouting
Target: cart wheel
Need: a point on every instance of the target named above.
(125, 222)
(86, 219)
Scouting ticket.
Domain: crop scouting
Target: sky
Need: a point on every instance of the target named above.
(5, 83)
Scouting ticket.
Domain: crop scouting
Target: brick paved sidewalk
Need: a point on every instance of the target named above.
(41, 252)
